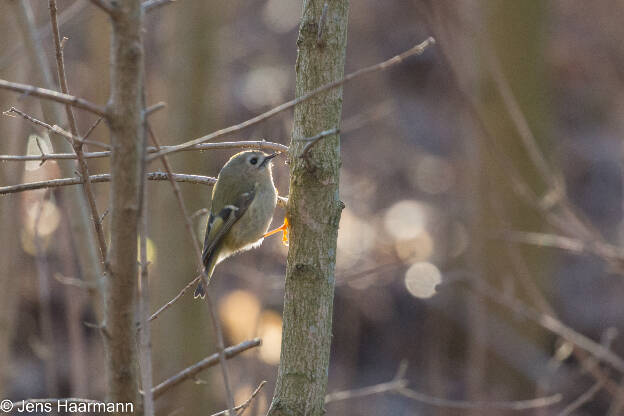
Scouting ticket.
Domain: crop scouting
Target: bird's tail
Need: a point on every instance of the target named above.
(209, 264)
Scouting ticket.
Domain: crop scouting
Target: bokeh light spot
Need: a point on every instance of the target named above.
(421, 279)
(239, 313)
(355, 239)
(434, 175)
(419, 248)
(263, 86)
(281, 16)
(406, 219)
(44, 215)
(270, 330)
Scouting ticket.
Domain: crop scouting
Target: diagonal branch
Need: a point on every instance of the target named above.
(71, 138)
(463, 404)
(53, 96)
(191, 233)
(242, 407)
(416, 50)
(210, 361)
(77, 144)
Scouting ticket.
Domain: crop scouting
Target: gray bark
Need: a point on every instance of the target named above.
(314, 213)
(125, 121)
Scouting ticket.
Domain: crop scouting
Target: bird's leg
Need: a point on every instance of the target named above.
(283, 228)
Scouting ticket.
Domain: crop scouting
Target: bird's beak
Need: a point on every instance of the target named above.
(269, 157)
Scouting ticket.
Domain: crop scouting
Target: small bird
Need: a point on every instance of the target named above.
(243, 201)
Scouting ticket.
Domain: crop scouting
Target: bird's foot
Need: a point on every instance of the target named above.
(283, 228)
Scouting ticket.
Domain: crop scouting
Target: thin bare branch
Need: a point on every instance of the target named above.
(312, 141)
(603, 250)
(248, 144)
(198, 252)
(154, 108)
(104, 177)
(54, 129)
(582, 399)
(178, 195)
(93, 126)
(461, 404)
(46, 94)
(210, 361)
(175, 298)
(390, 386)
(77, 143)
(242, 407)
(416, 50)
(607, 340)
(553, 325)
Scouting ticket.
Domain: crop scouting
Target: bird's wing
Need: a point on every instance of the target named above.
(219, 225)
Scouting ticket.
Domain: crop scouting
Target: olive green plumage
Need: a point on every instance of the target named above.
(243, 201)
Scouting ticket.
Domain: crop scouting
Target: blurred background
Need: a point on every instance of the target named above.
(463, 169)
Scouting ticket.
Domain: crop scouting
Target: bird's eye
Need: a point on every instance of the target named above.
(253, 160)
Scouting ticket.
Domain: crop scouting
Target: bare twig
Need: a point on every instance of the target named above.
(566, 222)
(390, 386)
(82, 164)
(597, 248)
(607, 339)
(461, 404)
(54, 129)
(84, 241)
(416, 50)
(178, 195)
(154, 108)
(315, 139)
(175, 298)
(397, 382)
(104, 177)
(248, 144)
(46, 94)
(553, 325)
(210, 361)
(242, 407)
(213, 314)
(93, 126)
(582, 399)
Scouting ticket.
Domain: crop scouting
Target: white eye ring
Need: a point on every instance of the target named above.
(253, 160)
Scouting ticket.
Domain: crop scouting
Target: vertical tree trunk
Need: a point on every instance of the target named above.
(314, 213)
(125, 120)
